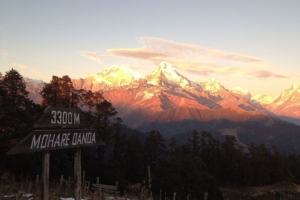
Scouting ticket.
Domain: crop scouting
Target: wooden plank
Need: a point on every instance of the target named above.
(102, 186)
(41, 140)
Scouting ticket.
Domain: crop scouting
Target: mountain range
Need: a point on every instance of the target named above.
(167, 101)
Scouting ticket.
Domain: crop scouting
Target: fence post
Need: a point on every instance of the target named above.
(61, 180)
(37, 179)
(83, 178)
(174, 196)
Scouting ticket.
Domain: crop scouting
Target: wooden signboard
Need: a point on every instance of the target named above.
(59, 128)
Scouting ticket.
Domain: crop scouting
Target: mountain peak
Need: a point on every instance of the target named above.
(212, 85)
(165, 69)
(165, 74)
(164, 66)
(242, 91)
(116, 76)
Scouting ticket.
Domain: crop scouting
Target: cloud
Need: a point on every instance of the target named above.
(190, 58)
(89, 55)
(25, 67)
(267, 74)
(4, 54)
(170, 47)
(189, 65)
(94, 56)
(138, 53)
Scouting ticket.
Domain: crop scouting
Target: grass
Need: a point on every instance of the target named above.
(14, 189)
(282, 191)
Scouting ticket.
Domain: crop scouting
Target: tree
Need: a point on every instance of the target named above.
(231, 155)
(210, 153)
(133, 156)
(17, 113)
(102, 114)
(194, 142)
(61, 93)
(172, 145)
(154, 145)
(117, 141)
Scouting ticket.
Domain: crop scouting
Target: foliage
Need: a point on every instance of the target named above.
(17, 115)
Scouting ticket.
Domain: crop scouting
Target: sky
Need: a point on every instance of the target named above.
(251, 44)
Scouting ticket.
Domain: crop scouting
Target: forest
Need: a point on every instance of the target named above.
(203, 164)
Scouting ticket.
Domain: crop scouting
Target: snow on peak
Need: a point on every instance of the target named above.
(263, 99)
(165, 74)
(289, 95)
(240, 90)
(212, 85)
(117, 76)
(296, 86)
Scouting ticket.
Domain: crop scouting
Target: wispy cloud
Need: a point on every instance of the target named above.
(138, 53)
(4, 54)
(267, 74)
(170, 47)
(191, 58)
(21, 66)
(94, 56)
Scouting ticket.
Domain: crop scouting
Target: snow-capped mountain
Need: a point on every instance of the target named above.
(112, 77)
(262, 99)
(212, 85)
(287, 104)
(166, 75)
(166, 95)
(238, 90)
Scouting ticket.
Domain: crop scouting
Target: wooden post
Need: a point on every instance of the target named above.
(205, 195)
(160, 194)
(45, 176)
(37, 180)
(83, 179)
(174, 196)
(69, 183)
(61, 180)
(77, 173)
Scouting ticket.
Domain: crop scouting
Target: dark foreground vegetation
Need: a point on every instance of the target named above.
(142, 163)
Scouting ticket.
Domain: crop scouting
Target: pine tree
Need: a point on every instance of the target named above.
(17, 112)
(154, 146)
(60, 93)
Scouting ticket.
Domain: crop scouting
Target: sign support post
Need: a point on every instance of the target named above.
(45, 176)
(77, 173)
